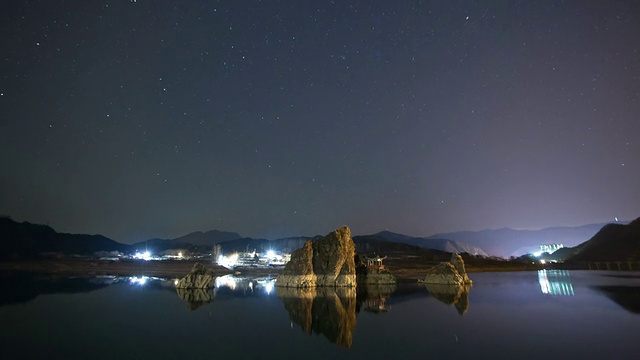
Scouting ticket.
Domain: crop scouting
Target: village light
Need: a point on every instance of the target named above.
(138, 280)
(144, 256)
(228, 261)
(271, 254)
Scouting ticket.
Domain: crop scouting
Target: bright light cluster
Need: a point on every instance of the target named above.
(138, 280)
(144, 255)
(228, 261)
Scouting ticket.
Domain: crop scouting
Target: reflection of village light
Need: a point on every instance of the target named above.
(269, 287)
(227, 281)
(138, 280)
(555, 282)
(144, 256)
(228, 261)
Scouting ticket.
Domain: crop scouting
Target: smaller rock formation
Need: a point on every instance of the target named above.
(450, 273)
(458, 263)
(370, 273)
(327, 261)
(199, 278)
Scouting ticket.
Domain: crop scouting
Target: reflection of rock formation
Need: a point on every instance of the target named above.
(199, 278)
(327, 311)
(375, 297)
(23, 287)
(456, 295)
(195, 297)
(628, 297)
(327, 261)
(452, 272)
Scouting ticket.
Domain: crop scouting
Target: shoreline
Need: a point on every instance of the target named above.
(405, 273)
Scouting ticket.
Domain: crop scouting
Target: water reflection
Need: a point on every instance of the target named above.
(555, 282)
(327, 311)
(244, 286)
(456, 295)
(195, 297)
(375, 297)
(628, 297)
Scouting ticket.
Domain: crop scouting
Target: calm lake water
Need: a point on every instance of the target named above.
(524, 315)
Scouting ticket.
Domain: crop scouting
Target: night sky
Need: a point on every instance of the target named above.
(140, 119)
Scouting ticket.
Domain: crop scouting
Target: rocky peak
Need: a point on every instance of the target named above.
(326, 261)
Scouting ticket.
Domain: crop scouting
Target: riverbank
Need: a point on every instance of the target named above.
(406, 270)
(90, 267)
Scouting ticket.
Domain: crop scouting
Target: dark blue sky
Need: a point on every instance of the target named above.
(139, 119)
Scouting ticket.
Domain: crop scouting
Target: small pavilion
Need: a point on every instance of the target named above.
(374, 262)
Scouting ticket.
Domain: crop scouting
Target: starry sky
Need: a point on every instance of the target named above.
(141, 119)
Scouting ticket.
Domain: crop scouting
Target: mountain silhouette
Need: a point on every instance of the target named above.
(507, 242)
(614, 242)
(26, 239)
(451, 246)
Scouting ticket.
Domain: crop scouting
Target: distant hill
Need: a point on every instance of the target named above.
(383, 241)
(286, 245)
(614, 242)
(208, 238)
(26, 239)
(450, 246)
(196, 241)
(510, 242)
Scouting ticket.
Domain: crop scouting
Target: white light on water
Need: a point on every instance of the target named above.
(269, 287)
(227, 281)
(555, 282)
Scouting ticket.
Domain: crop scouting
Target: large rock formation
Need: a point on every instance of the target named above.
(327, 311)
(327, 261)
(299, 271)
(199, 278)
(451, 273)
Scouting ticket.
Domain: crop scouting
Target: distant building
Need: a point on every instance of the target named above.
(550, 248)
